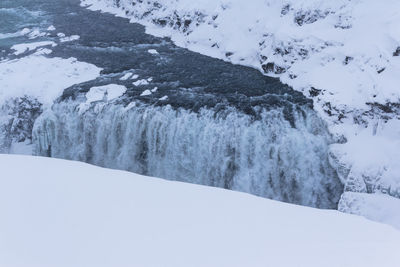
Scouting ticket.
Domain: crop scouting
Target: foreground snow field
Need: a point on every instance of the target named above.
(61, 213)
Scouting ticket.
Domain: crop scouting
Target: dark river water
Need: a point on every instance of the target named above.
(221, 124)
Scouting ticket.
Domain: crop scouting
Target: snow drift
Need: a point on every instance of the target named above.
(61, 213)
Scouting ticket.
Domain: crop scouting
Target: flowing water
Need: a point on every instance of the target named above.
(208, 122)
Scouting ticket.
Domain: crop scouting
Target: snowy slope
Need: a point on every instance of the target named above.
(61, 213)
(343, 54)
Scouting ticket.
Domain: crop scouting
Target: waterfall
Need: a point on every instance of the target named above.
(264, 155)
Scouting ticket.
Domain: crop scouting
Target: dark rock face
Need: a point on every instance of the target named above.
(314, 92)
(347, 60)
(308, 17)
(273, 68)
(397, 52)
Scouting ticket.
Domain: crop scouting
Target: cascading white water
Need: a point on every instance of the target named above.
(264, 156)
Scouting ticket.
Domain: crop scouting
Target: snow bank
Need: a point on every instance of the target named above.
(376, 207)
(41, 77)
(22, 48)
(370, 167)
(61, 213)
(343, 54)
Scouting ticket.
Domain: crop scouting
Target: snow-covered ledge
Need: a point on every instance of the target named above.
(343, 54)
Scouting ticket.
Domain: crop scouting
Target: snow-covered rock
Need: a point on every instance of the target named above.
(62, 213)
(17, 116)
(31, 84)
(51, 28)
(109, 91)
(126, 76)
(377, 207)
(152, 51)
(41, 77)
(369, 167)
(22, 48)
(106, 93)
(141, 82)
(70, 38)
(145, 93)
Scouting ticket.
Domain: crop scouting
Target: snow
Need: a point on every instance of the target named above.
(370, 167)
(107, 92)
(22, 48)
(51, 28)
(41, 77)
(110, 91)
(43, 51)
(163, 98)
(154, 89)
(349, 51)
(152, 51)
(126, 76)
(145, 93)
(61, 213)
(70, 38)
(141, 82)
(376, 207)
(14, 34)
(37, 78)
(25, 31)
(21, 148)
(33, 33)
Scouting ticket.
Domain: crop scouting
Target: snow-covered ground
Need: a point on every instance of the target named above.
(343, 54)
(62, 213)
(41, 77)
